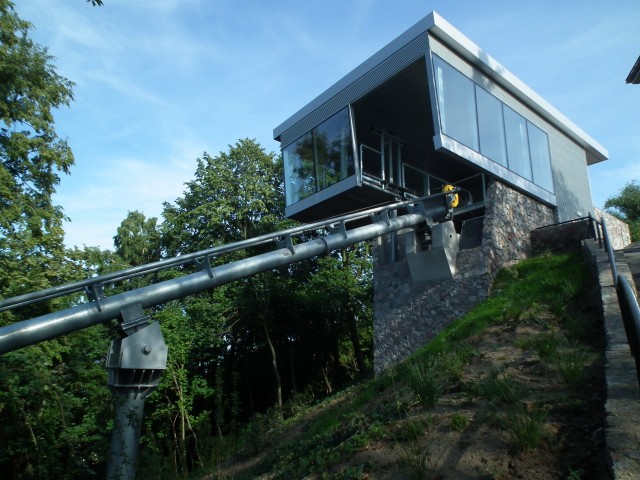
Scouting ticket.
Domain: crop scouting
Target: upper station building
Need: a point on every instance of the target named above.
(432, 108)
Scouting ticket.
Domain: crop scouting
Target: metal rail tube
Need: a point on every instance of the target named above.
(609, 249)
(29, 332)
(631, 318)
(80, 285)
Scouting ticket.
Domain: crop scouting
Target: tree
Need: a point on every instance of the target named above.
(53, 401)
(138, 239)
(31, 157)
(626, 206)
(234, 196)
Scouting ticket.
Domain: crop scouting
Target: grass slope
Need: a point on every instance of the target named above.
(512, 390)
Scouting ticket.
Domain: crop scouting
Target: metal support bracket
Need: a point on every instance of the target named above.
(340, 228)
(382, 217)
(94, 293)
(204, 265)
(285, 242)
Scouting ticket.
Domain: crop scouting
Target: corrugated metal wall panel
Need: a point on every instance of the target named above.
(570, 177)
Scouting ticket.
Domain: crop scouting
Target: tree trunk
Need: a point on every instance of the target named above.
(274, 361)
(355, 341)
(293, 371)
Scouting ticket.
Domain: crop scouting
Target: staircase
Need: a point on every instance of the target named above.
(622, 406)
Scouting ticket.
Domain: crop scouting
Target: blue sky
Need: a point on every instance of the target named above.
(159, 82)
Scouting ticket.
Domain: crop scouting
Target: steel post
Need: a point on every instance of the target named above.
(125, 437)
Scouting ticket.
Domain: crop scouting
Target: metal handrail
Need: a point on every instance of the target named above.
(627, 298)
(201, 258)
(609, 249)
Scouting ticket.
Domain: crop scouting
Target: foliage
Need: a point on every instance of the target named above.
(458, 422)
(31, 157)
(243, 347)
(138, 239)
(500, 388)
(53, 403)
(626, 206)
(526, 427)
(54, 407)
(234, 196)
(427, 381)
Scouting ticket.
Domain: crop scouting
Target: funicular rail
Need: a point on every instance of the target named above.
(386, 219)
(138, 356)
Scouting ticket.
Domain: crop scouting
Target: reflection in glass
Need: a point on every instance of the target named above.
(456, 101)
(333, 149)
(497, 132)
(491, 127)
(517, 143)
(299, 169)
(540, 158)
(319, 159)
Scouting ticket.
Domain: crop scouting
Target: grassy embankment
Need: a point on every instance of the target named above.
(512, 390)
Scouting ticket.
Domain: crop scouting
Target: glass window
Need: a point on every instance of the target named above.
(456, 102)
(299, 169)
(517, 143)
(472, 116)
(319, 159)
(491, 127)
(540, 158)
(333, 149)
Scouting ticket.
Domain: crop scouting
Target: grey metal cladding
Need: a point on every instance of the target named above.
(411, 52)
(570, 177)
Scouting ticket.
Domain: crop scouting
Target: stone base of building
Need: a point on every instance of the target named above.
(409, 314)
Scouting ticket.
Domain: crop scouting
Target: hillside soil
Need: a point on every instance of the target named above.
(528, 403)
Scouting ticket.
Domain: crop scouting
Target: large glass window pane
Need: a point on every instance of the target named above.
(517, 143)
(334, 149)
(456, 102)
(299, 169)
(491, 127)
(540, 158)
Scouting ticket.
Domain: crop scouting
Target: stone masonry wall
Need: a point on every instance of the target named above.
(408, 314)
(618, 230)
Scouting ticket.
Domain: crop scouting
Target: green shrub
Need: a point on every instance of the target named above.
(458, 422)
(499, 388)
(427, 380)
(526, 427)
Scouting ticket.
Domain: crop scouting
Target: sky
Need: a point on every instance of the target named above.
(160, 82)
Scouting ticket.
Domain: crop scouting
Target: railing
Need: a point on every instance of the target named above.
(626, 294)
(430, 183)
(93, 286)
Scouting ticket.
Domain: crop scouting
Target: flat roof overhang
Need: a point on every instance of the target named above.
(454, 39)
(634, 74)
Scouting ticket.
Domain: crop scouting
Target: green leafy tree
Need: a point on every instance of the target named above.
(626, 206)
(53, 401)
(234, 196)
(31, 158)
(138, 239)
(337, 300)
